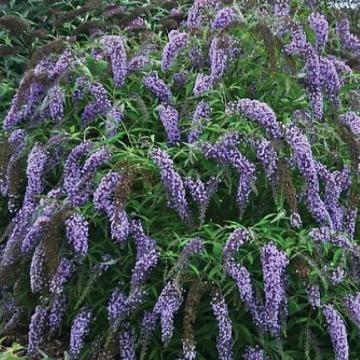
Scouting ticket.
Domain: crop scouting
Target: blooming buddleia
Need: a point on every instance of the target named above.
(73, 165)
(65, 62)
(56, 103)
(138, 62)
(167, 304)
(200, 116)
(224, 18)
(77, 232)
(342, 69)
(158, 87)
(81, 84)
(37, 329)
(316, 101)
(170, 120)
(180, 78)
(274, 262)
(254, 353)
(115, 49)
(202, 193)
(64, 271)
(337, 276)
(35, 168)
(224, 340)
(57, 311)
(119, 226)
(146, 255)
(337, 331)
(282, 7)
(173, 183)
(257, 111)
(79, 330)
(127, 344)
(37, 270)
(100, 106)
(218, 60)
(203, 83)
(348, 40)
(329, 80)
(313, 292)
(113, 119)
(266, 153)
(135, 24)
(104, 194)
(35, 233)
(117, 308)
(352, 304)
(320, 26)
(312, 66)
(351, 120)
(303, 159)
(298, 42)
(177, 42)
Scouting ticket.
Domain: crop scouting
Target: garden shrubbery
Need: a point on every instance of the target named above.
(179, 180)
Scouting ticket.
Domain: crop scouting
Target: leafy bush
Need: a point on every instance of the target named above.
(180, 180)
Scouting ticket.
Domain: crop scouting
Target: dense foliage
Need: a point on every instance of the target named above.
(179, 180)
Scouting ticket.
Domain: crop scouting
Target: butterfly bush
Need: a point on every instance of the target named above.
(224, 18)
(37, 329)
(320, 26)
(200, 116)
(158, 87)
(254, 354)
(77, 232)
(177, 42)
(170, 119)
(348, 40)
(127, 344)
(79, 330)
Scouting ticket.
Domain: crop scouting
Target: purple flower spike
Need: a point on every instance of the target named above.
(61, 276)
(177, 42)
(352, 120)
(127, 344)
(77, 232)
(79, 330)
(348, 41)
(37, 329)
(224, 340)
(337, 331)
(158, 87)
(170, 120)
(254, 353)
(201, 115)
(259, 112)
(203, 84)
(166, 306)
(352, 304)
(37, 270)
(320, 26)
(173, 183)
(313, 292)
(115, 49)
(56, 103)
(224, 18)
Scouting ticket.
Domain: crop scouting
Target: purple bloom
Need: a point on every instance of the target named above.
(104, 199)
(170, 120)
(37, 270)
(316, 101)
(117, 307)
(202, 193)
(180, 78)
(100, 106)
(266, 153)
(65, 61)
(254, 353)
(259, 112)
(302, 157)
(77, 232)
(113, 119)
(224, 340)
(200, 115)
(337, 331)
(348, 41)
(218, 60)
(224, 18)
(119, 226)
(127, 344)
(135, 24)
(115, 48)
(37, 329)
(330, 81)
(35, 169)
(337, 276)
(177, 42)
(173, 183)
(57, 311)
(342, 69)
(352, 304)
(274, 263)
(352, 120)
(298, 42)
(56, 103)
(79, 330)
(167, 304)
(282, 7)
(64, 271)
(158, 87)
(313, 292)
(138, 62)
(203, 83)
(82, 83)
(320, 26)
